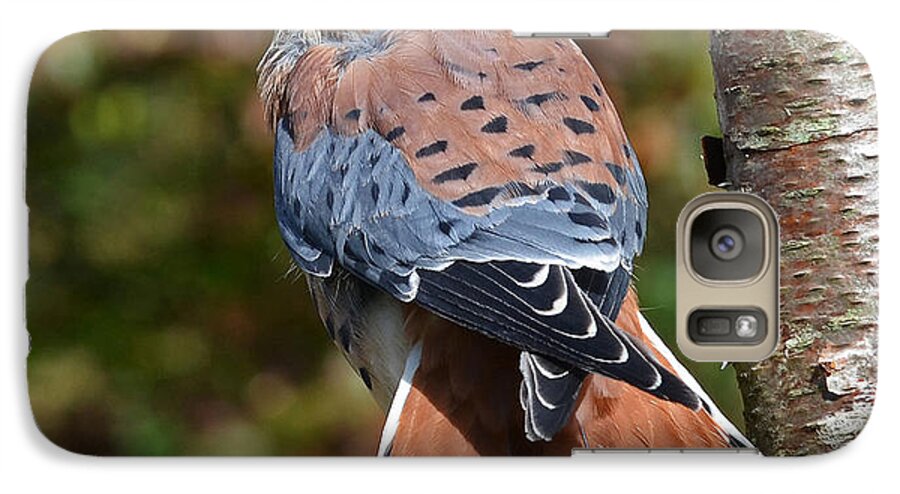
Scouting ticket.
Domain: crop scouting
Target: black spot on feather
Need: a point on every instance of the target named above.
(405, 195)
(395, 133)
(590, 103)
(548, 168)
(528, 66)
(432, 149)
(526, 151)
(558, 194)
(579, 126)
(426, 97)
(541, 98)
(445, 227)
(575, 158)
(617, 172)
(460, 172)
(603, 193)
(497, 125)
(473, 103)
(478, 198)
(598, 90)
(353, 114)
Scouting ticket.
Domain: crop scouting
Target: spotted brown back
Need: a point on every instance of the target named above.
(479, 116)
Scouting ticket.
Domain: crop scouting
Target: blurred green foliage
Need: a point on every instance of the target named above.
(161, 316)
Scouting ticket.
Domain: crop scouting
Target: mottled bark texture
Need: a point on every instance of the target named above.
(798, 114)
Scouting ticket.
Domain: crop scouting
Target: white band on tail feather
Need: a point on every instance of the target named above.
(403, 388)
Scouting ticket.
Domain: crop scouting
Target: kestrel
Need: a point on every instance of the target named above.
(467, 209)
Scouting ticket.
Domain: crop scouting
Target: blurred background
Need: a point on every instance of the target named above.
(162, 319)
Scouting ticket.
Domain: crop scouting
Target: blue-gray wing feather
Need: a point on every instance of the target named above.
(355, 199)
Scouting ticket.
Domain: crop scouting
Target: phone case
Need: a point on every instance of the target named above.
(480, 224)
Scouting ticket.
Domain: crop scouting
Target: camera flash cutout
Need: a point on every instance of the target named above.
(745, 326)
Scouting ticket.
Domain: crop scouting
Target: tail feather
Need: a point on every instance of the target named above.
(548, 394)
(562, 407)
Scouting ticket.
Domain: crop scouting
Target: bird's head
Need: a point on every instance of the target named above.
(288, 47)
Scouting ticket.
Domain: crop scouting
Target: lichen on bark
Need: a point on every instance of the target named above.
(798, 115)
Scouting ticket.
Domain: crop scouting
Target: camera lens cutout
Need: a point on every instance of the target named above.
(727, 243)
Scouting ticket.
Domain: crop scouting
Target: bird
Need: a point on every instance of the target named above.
(467, 210)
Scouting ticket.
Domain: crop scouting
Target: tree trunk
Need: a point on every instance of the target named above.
(797, 111)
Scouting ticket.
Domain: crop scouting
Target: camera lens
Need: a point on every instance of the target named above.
(726, 244)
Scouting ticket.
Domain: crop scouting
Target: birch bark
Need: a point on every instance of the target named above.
(798, 115)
